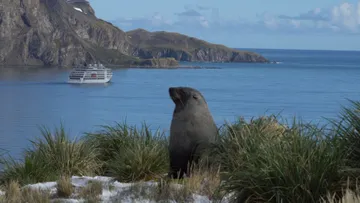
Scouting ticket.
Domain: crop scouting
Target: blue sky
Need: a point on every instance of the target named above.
(287, 24)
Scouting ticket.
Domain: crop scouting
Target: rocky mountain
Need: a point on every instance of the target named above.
(67, 32)
(185, 48)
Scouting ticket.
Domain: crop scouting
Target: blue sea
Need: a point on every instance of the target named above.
(311, 85)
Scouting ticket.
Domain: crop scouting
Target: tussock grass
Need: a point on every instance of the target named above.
(92, 191)
(348, 195)
(108, 141)
(51, 156)
(348, 131)
(35, 195)
(131, 154)
(64, 187)
(167, 190)
(14, 194)
(204, 180)
(30, 170)
(302, 166)
(65, 156)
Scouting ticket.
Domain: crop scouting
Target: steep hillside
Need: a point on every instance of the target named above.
(185, 48)
(52, 32)
(67, 32)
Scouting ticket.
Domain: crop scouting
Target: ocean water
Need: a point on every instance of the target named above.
(311, 85)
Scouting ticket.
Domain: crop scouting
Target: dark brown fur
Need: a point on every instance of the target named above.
(192, 129)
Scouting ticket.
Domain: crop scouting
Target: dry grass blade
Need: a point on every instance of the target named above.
(64, 187)
(92, 191)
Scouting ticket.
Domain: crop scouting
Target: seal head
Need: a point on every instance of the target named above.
(186, 97)
(192, 129)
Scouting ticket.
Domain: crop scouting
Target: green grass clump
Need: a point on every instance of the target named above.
(30, 170)
(131, 154)
(108, 142)
(50, 157)
(348, 130)
(64, 156)
(300, 165)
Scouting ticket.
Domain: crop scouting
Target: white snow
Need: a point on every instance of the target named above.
(78, 9)
(108, 194)
(43, 186)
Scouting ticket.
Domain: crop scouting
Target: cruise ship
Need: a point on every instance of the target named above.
(92, 73)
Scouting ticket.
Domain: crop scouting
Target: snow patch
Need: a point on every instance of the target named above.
(42, 186)
(111, 189)
(78, 9)
(201, 199)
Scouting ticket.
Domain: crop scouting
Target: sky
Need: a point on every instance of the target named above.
(279, 24)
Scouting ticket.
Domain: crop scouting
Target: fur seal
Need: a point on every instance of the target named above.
(192, 129)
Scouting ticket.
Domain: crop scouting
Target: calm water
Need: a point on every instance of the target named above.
(306, 84)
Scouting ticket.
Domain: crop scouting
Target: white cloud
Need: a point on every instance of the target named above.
(340, 18)
(317, 10)
(296, 23)
(158, 20)
(343, 18)
(203, 21)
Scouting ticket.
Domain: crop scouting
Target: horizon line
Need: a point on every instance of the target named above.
(299, 49)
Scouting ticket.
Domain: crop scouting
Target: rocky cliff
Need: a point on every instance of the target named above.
(185, 48)
(67, 32)
(52, 32)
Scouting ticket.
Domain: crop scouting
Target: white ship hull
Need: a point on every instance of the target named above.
(92, 74)
(87, 81)
(81, 81)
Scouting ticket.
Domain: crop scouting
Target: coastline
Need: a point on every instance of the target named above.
(115, 66)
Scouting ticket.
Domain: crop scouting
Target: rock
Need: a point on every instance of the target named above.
(52, 32)
(159, 62)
